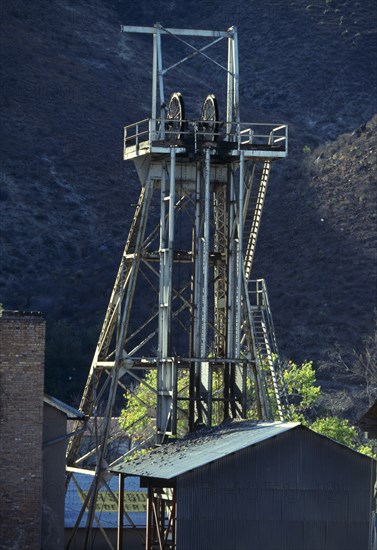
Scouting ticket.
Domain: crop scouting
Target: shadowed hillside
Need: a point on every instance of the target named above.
(71, 81)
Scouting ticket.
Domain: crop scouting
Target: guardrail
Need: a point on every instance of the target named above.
(258, 290)
(253, 134)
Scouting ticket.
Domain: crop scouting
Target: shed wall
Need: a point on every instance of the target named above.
(294, 492)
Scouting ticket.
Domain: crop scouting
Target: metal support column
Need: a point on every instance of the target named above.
(160, 80)
(240, 261)
(166, 378)
(236, 98)
(154, 84)
(230, 90)
(195, 409)
(206, 367)
(120, 512)
(238, 378)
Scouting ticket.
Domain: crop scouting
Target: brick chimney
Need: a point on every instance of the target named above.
(22, 346)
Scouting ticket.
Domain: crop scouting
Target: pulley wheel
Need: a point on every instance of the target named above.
(209, 118)
(175, 116)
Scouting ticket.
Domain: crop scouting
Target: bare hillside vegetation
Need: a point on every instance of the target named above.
(71, 81)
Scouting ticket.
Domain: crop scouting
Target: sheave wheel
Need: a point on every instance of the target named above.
(209, 118)
(175, 116)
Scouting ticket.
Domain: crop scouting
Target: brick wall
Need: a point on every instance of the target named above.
(22, 344)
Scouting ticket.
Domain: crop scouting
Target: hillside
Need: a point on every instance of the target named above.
(324, 300)
(71, 81)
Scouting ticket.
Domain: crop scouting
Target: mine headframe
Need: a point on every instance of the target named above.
(183, 302)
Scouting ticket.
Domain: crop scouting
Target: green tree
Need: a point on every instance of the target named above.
(303, 393)
(367, 449)
(341, 431)
(140, 407)
(337, 429)
(138, 417)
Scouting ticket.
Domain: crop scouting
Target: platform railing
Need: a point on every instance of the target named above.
(153, 131)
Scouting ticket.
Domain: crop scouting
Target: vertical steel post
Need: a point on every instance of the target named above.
(162, 326)
(149, 526)
(174, 520)
(230, 90)
(219, 237)
(198, 261)
(206, 367)
(232, 259)
(236, 94)
(195, 408)
(205, 264)
(239, 370)
(240, 270)
(120, 512)
(154, 84)
(166, 379)
(160, 80)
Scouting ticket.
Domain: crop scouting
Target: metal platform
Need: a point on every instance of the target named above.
(257, 140)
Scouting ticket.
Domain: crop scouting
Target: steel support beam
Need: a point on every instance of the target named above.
(206, 367)
(166, 379)
(120, 512)
(178, 32)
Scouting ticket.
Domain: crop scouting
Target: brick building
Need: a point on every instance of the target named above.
(33, 436)
(22, 344)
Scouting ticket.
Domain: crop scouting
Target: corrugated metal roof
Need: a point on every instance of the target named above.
(176, 458)
(368, 422)
(71, 412)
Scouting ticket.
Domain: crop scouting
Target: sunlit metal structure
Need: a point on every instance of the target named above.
(183, 299)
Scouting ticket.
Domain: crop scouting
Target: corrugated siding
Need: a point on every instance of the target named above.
(296, 491)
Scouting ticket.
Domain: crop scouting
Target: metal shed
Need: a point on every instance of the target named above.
(54, 444)
(266, 485)
(368, 422)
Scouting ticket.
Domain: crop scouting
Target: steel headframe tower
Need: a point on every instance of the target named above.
(183, 298)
